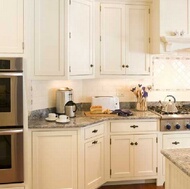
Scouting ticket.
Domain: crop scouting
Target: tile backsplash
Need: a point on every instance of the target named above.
(170, 75)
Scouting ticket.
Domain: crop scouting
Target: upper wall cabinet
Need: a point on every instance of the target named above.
(80, 46)
(11, 21)
(123, 39)
(170, 25)
(49, 37)
(64, 38)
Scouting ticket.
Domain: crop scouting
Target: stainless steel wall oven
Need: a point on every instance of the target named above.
(11, 120)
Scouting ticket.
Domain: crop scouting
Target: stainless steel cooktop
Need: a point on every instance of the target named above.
(178, 121)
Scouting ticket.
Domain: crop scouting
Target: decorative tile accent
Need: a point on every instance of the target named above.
(171, 73)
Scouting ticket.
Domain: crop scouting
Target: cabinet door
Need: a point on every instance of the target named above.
(112, 39)
(81, 38)
(49, 37)
(94, 163)
(55, 160)
(121, 156)
(11, 21)
(137, 39)
(145, 155)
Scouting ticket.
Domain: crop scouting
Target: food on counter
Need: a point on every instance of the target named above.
(96, 109)
(99, 110)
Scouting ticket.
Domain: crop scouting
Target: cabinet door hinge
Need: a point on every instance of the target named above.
(110, 172)
(156, 139)
(70, 35)
(157, 169)
(100, 38)
(149, 39)
(100, 69)
(149, 69)
(22, 45)
(148, 11)
(69, 68)
(69, 2)
(110, 141)
(100, 8)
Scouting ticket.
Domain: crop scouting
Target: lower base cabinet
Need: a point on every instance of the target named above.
(94, 163)
(133, 156)
(54, 160)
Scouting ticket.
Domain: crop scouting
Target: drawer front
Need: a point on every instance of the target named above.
(94, 131)
(133, 126)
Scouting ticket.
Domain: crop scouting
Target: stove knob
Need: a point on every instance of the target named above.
(168, 127)
(188, 126)
(177, 126)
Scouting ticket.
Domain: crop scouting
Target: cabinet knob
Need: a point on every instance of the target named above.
(95, 142)
(131, 143)
(136, 143)
(127, 66)
(95, 131)
(123, 66)
(91, 65)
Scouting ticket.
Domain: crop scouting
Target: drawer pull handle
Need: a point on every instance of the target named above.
(95, 142)
(95, 131)
(176, 143)
(134, 126)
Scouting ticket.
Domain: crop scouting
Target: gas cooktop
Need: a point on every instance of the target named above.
(178, 121)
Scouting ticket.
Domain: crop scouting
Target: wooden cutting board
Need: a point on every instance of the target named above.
(99, 115)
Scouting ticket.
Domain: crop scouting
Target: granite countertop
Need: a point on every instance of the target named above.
(180, 157)
(81, 120)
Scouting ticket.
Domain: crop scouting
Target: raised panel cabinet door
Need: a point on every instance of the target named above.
(112, 36)
(54, 160)
(121, 156)
(137, 39)
(12, 29)
(145, 155)
(80, 38)
(49, 37)
(94, 163)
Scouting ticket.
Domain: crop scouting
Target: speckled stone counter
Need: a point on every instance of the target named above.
(180, 157)
(81, 120)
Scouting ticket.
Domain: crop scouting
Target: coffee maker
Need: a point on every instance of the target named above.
(63, 95)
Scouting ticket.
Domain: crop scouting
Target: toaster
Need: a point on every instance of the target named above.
(107, 102)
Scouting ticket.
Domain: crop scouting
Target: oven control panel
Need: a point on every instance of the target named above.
(175, 125)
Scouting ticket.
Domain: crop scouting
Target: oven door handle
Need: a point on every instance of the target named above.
(10, 131)
(11, 74)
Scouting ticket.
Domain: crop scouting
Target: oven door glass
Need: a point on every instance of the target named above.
(5, 149)
(5, 95)
(11, 100)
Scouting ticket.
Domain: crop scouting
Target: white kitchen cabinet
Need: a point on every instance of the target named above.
(133, 149)
(49, 38)
(133, 155)
(80, 46)
(12, 29)
(54, 164)
(94, 156)
(169, 16)
(124, 39)
(64, 38)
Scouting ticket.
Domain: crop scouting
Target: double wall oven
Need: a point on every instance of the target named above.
(11, 120)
